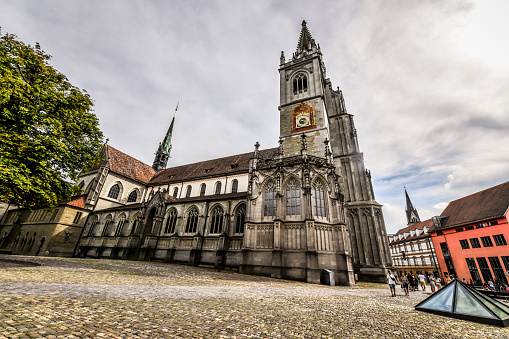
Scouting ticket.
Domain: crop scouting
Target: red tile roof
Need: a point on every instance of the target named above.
(232, 164)
(492, 203)
(76, 201)
(127, 166)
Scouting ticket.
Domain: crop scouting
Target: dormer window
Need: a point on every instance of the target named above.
(300, 84)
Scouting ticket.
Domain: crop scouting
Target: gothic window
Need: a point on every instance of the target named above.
(93, 225)
(192, 220)
(120, 225)
(269, 207)
(235, 186)
(114, 191)
(202, 190)
(132, 196)
(107, 225)
(134, 222)
(188, 192)
(319, 201)
(175, 192)
(81, 185)
(218, 188)
(216, 223)
(171, 222)
(292, 198)
(240, 218)
(300, 84)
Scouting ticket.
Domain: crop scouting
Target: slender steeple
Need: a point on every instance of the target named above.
(306, 41)
(163, 152)
(412, 216)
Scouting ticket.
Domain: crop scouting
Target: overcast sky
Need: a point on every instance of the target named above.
(427, 81)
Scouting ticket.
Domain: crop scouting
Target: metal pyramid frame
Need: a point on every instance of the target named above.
(458, 300)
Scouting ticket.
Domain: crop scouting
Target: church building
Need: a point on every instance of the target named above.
(286, 212)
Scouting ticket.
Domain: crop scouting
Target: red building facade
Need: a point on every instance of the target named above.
(471, 236)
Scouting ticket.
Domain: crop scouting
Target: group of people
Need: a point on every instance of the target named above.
(411, 282)
(497, 286)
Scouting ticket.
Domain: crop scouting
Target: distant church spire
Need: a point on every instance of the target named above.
(412, 216)
(163, 152)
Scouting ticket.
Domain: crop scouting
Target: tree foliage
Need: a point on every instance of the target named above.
(48, 131)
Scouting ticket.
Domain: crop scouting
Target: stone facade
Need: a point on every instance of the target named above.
(288, 212)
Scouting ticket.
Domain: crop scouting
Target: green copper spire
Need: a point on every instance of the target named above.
(163, 151)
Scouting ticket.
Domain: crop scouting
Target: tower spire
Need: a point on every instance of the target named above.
(163, 151)
(306, 41)
(411, 212)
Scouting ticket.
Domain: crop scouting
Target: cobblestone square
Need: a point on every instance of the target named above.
(89, 298)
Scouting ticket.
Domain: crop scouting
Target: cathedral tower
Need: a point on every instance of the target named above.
(302, 108)
(163, 151)
(412, 216)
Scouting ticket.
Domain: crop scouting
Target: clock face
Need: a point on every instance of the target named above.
(302, 120)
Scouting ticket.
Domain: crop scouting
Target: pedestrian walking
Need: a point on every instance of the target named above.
(422, 281)
(391, 280)
(432, 282)
(404, 284)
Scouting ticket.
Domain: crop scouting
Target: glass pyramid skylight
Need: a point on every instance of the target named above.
(457, 300)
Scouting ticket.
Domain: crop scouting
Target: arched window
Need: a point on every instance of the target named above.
(93, 225)
(192, 220)
(107, 225)
(218, 188)
(203, 187)
(216, 223)
(235, 186)
(319, 201)
(293, 198)
(81, 185)
(176, 192)
(171, 222)
(240, 218)
(300, 84)
(188, 192)
(269, 207)
(132, 196)
(120, 225)
(114, 191)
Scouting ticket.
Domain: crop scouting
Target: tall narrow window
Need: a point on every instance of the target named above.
(485, 269)
(448, 258)
(175, 192)
(293, 198)
(202, 190)
(216, 223)
(472, 267)
(135, 223)
(188, 191)
(120, 225)
(218, 188)
(269, 207)
(132, 196)
(107, 226)
(497, 269)
(240, 218)
(114, 191)
(319, 201)
(235, 186)
(192, 221)
(171, 222)
(93, 225)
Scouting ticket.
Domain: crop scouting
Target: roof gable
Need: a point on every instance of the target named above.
(491, 203)
(127, 166)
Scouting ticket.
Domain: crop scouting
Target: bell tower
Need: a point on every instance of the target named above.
(302, 107)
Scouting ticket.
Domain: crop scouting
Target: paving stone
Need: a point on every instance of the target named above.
(88, 298)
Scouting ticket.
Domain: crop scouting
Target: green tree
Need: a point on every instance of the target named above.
(48, 131)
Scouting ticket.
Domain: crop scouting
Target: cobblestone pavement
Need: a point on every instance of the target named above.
(87, 298)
